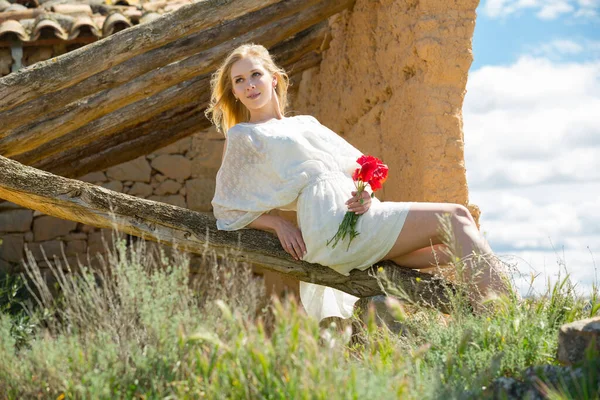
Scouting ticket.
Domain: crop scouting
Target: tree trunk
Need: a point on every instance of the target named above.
(64, 71)
(192, 231)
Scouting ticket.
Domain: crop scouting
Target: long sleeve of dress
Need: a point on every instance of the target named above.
(251, 181)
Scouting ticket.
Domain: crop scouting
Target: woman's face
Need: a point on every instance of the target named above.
(253, 84)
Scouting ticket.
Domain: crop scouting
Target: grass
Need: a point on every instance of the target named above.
(145, 327)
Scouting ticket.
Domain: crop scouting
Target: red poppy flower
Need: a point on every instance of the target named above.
(372, 172)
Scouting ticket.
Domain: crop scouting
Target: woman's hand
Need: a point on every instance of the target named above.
(291, 239)
(354, 204)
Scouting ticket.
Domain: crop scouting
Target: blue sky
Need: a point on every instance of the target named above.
(532, 136)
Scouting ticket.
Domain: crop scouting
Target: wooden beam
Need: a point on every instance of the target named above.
(70, 150)
(78, 114)
(192, 231)
(155, 58)
(73, 67)
(145, 138)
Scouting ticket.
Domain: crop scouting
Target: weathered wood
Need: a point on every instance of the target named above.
(192, 231)
(155, 58)
(78, 114)
(73, 67)
(72, 149)
(145, 138)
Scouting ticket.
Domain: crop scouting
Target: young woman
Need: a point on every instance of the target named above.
(271, 161)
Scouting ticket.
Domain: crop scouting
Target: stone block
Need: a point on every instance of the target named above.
(29, 236)
(16, 220)
(116, 186)
(200, 192)
(47, 227)
(76, 236)
(7, 205)
(159, 178)
(179, 147)
(208, 157)
(85, 228)
(97, 245)
(175, 167)
(11, 248)
(575, 338)
(51, 248)
(167, 187)
(174, 199)
(140, 189)
(94, 177)
(137, 170)
(75, 247)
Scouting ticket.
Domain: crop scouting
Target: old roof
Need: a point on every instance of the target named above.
(30, 20)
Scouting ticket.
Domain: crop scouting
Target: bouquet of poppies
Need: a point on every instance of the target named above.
(372, 172)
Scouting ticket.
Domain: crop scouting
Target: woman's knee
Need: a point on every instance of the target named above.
(461, 214)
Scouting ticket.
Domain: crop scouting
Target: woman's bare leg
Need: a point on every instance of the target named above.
(422, 229)
(427, 257)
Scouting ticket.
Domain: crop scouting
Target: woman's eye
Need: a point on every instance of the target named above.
(238, 80)
(256, 73)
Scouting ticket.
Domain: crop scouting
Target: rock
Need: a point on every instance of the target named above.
(175, 167)
(116, 186)
(7, 205)
(167, 187)
(75, 247)
(94, 177)
(137, 170)
(159, 177)
(529, 386)
(16, 220)
(208, 157)
(97, 245)
(176, 200)
(29, 236)
(140, 189)
(200, 192)
(179, 147)
(11, 248)
(182, 191)
(127, 183)
(46, 228)
(51, 248)
(576, 337)
(85, 228)
(76, 236)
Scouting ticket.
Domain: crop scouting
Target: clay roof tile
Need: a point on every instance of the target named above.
(84, 24)
(49, 26)
(115, 22)
(72, 9)
(10, 27)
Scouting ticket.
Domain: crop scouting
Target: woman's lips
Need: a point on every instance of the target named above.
(254, 96)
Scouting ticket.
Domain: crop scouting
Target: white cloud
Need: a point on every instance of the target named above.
(553, 9)
(544, 9)
(532, 149)
(533, 122)
(560, 49)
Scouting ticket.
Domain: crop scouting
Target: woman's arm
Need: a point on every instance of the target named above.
(289, 235)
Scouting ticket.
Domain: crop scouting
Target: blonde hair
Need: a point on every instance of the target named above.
(223, 110)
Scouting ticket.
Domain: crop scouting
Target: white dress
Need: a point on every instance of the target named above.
(296, 163)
